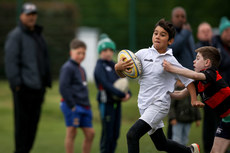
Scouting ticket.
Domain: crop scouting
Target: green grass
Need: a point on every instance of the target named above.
(51, 132)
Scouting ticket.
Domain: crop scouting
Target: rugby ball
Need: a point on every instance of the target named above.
(121, 84)
(134, 72)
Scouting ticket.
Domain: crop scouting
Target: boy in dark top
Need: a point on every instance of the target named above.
(75, 100)
(213, 90)
(110, 108)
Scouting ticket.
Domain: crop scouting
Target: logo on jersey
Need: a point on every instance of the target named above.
(219, 130)
(148, 60)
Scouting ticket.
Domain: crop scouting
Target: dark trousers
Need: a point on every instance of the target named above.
(160, 141)
(111, 121)
(210, 123)
(27, 109)
(169, 130)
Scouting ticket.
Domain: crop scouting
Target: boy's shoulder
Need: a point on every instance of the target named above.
(143, 50)
(67, 65)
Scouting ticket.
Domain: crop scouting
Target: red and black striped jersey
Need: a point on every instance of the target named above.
(214, 91)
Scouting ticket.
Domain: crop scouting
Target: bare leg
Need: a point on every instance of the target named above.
(71, 133)
(89, 135)
(220, 145)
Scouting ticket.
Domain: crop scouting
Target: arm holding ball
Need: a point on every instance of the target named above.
(123, 65)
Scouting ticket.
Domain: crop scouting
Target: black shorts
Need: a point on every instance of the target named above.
(223, 130)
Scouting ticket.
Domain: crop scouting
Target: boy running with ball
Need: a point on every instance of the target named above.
(154, 94)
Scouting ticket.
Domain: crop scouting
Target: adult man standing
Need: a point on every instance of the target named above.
(222, 42)
(28, 72)
(183, 45)
(204, 35)
(183, 50)
(211, 119)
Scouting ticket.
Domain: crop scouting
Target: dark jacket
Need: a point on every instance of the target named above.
(224, 67)
(202, 44)
(183, 112)
(105, 76)
(184, 48)
(26, 58)
(73, 84)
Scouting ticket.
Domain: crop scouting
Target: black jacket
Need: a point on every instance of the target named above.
(224, 67)
(105, 76)
(26, 58)
(183, 112)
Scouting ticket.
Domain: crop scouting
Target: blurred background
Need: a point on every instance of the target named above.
(128, 22)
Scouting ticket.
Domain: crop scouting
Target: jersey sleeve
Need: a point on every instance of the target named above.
(184, 80)
(210, 75)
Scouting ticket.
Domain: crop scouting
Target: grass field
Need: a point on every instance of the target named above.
(51, 132)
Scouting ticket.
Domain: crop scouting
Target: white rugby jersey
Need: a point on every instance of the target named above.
(155, 82)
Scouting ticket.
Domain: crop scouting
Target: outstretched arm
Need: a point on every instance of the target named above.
(179, 94)
(184, 72)
(192, 92)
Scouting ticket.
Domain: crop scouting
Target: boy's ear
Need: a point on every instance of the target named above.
(70, 52)
(170, 41)
(208, 62)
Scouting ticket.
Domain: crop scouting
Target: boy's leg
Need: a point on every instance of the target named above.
(210, 124)
(117, 125)
(71, 133)
(89, 135)
(108, 123)
(220, 145)
(177, 132)
(222, 138)
(135, 133)
(163, 144)
(186, 131)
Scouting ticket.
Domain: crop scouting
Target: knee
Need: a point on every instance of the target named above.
(160, 147)
(90, 135)
(131, 135)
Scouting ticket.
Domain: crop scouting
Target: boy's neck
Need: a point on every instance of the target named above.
(207, 67)
(161, 51)
(75, 61)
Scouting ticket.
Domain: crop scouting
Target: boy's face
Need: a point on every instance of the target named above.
(78, 55)
(200, 63)
(107, 54)
(160, 39)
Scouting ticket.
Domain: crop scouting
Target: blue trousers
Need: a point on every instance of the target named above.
(180, 132)
(111, 121)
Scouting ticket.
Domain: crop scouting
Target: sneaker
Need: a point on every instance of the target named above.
(195, 148)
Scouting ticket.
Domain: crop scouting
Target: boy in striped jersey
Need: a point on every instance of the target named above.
(213, 90)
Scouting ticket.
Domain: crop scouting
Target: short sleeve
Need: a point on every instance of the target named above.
(186, 81)
(210, 75)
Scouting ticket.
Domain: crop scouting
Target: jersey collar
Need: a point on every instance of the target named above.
(169, 51)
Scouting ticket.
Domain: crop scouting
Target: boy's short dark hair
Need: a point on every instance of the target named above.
(75, 43)
(168, 26)
(211, 53)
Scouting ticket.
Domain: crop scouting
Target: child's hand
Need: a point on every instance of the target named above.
(173, 122)
(123, 65)
(167, 66)
(198, 123)
(126, 98)
(197, 104)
